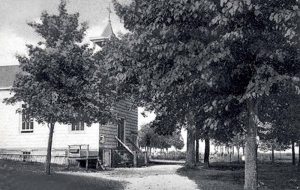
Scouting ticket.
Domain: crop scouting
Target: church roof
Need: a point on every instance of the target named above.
(108, 31)
(8, 75)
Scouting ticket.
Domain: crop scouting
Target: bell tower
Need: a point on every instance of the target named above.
(107, 33)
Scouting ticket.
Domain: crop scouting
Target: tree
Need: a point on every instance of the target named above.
(160, 63)
(235, 50)
(263, 52)
(269, 139)
(60, 81)
(219, 120)
(177, 140)
(238, 142)
(146, 135)
(283, 118)
(149, 138)
(160, 68)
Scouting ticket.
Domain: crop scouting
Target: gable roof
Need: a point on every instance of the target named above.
(107, 33)
(8, 75)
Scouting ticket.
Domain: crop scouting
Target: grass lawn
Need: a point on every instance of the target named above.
(30, 176)
(226, 176)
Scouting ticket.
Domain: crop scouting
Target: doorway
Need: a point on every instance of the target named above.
(121, 131)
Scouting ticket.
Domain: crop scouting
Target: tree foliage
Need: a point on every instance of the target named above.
(60, 81)
(282, 118)
(149, 138)
(193, 56)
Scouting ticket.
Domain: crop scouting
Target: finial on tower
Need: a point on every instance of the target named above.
(107, 33)
(109, 12)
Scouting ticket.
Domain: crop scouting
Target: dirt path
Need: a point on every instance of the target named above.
(162, 177)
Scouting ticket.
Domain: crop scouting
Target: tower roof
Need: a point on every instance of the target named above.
(108, 31)
(106, 35)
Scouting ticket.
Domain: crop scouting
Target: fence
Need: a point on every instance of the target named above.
(171, 155)
(225, 157)
(34, 158)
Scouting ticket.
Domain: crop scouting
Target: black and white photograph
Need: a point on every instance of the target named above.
(149, 94)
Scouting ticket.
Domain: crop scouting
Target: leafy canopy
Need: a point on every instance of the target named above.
(148, 137)
(205, 56)
(60, 80)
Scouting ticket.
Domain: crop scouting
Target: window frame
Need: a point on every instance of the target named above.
(77, 127)
(27, 124)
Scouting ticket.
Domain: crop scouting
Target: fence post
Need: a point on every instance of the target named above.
(146, 158)
(68, 156)
(87, 158)
(134, 159)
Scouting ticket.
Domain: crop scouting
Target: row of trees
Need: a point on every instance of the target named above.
(215, 67)
(149, 138)
(210, 66)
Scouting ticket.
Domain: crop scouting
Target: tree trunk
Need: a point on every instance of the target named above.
(299, 154)
(251, 149)
(48, 158)
(197, 136)
(238, 154)
(273, 154)
(190, 148)
(206, 151)
(197, 151)
(293, 153)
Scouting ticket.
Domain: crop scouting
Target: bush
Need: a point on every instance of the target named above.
(172, 155)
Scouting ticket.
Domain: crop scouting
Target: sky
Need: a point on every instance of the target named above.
(15, 14)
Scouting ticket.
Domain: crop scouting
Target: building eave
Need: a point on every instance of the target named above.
(5, 88)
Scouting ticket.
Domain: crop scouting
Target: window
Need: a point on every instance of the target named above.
(26, 156)
(27, 122)
(79, 126)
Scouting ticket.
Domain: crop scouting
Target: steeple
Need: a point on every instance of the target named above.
(107, 33)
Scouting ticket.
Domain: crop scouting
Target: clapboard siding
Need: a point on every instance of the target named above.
(11, 137)
(123, 109)
(109, 132)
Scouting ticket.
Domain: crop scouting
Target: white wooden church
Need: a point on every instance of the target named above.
(112, 145)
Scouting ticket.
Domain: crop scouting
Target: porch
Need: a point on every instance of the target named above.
(83, 156)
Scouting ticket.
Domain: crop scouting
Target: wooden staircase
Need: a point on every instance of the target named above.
(123, 156)
(134, 146)
(124, 145)
(139, 158)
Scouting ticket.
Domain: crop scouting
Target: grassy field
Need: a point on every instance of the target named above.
(225, 176)
(220, 176)
(29, 176)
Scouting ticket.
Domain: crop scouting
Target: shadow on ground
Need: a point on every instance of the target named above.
(30, 176)
(230, 176)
